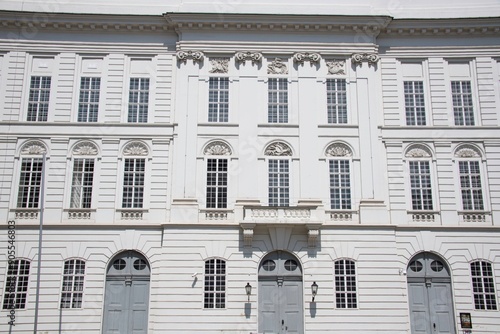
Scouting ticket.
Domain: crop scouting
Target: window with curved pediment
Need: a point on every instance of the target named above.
(82, 180)
(278, 173)
(134, 173)
(469, 169)
(420, 178)
(217, 174)
(339, 164)
(30, 179)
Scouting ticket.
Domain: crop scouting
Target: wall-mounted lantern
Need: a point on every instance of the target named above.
(314, 290)
(248, 290)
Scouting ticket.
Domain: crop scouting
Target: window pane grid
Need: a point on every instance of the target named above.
(470, 184)
(336, 96)
(414, 103)
(30, 182)
(463, 110)
(215, 284)
(279, 184)
(340, 184)
(420, 182)
(277, 100)
(345, 284)
(16, 288)
(72, 287)
(133, 183)
(138, 101)
(88, 105)
(38, 104)
(483, 285)
(216, 183)
(218, 100)
(81, 186)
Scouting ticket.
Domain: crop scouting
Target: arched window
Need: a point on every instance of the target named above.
(16, 286)
(483, 285)
(345, 284)
(72, 286)
(215, 284)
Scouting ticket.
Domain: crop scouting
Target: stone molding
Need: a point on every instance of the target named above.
(85, 148)
(33, 147)
(418, 151)
(301, 57)
(217, 148)
(242, 56)
(370, 58)
(336, 66)
(338, 150)
(278, 149)
(277, 66)
(135, 149)
(183, 56)
(467, 151)
(219, 65)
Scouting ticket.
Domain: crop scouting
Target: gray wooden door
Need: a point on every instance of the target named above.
(126, 300)
(429, 295)
(280, 295)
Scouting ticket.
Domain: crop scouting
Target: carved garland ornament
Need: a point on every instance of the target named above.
(467, 152)
(219, 65)
(135, 148)
(338, 150)
(310, 57)
(336, 66)
(217, 148)
(278, 149)
(277, 66)
(85, 148)
(371, 58)
(183, 56)
(418, 151)
(255, 57)
(33, 147)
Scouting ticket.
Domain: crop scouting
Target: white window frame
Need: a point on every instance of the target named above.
(217, 186)
(213, 304)
(335, 93)
(40, 89)
(482, 279)
(218, 102)
(82, 187)
(138, 104)
(424, 78)
(72, 292)
(280, 160)
(89, 101)
(345, 292)
(136, 174)
(350, 173)
(16, 288)
(472, 78)
(269, 103)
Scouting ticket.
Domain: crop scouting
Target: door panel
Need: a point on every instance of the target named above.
(268, 307)
(292, 310)
(419, 311)
(440, 308)
(115, 308)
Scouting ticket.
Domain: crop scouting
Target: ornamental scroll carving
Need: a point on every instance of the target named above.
(33, 147)
(336, 66)
(418, 151)
(219, 65)
(371, 58)
(255, 57)
(85, 148)
(217, 148)
(338, 150)
(183, 56)
(135, 148)
(278, 149)
(467, 151)
(277, 66)
(301, 57)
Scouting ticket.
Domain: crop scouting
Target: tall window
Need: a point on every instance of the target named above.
(215, 284)
(279, 183)
(72, 286)
(218, 100)
(88, 106)
(345, 284)
(277, 111)
(81, 186)
(336, 96)
(138, 100)
(38, 104)
(16, 287)
(483, 284)
(470, 185)
(217, 183)
(133, 183)
(30, 183)
(463, 110)
(340, 185)
(420, 183)
(414, 102)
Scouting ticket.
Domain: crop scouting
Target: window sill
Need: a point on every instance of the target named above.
(423, 216)
(79, 214)
(132, 213)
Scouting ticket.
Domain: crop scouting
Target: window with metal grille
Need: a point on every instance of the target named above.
(30, 183)
(72, 286)
(16, 287)
(336, 97)
(470, 185)
(133, 183)
(279, 184)
(138, 100)
(277, 109)
(345, 284)
(38, 104)
(420, 183)
(483, 285)
(81, 185)
(218, 99)
(463, 110)
(414, 102)
(215, 284)
(340, 185)
(88, 106)
(217, 183)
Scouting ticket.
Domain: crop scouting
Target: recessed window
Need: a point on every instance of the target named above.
(140, 264)
(437, 266)
(483, 285)
(72, 287)
(336, 96)
(215, 284)
(30, 183)
(38, 104)
(119, 264)
(88, 106)
(279, 183)
(463, 108)
(269, 265)
(218, 100)
(291, 265)
(345, 284)
(138, 100)
(421, 186)
(414, 102)
(133, 183)
(277, 109)
(415, 266)
(16, 287)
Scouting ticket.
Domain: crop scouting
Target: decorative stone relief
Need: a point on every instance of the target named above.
(418, 151)
(217, 148)
(301, 57)
(85, 148)
(33, 147)
(336, 66)
(248, 237)
(277, 66)
(371, 58)
(135, 148)
(338, 150)
(183, 56)
(278, 149)
(467, 151)
(255, 57)
(312, 237)
(219, 65)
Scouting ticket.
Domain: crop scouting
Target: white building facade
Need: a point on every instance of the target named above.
(250, 171)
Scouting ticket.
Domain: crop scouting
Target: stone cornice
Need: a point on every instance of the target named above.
(440, 27)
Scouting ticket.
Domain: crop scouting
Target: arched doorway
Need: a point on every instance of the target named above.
(429, 294)
(126, 300)
(280, 294)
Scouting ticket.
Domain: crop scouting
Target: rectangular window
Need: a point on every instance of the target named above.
(81, 186)
(483, 285)
(88, 106)
(30, 183)
(38, 104)
(138, 100)
(218, 100)
(217, 183)
(72, 286)
(277, 111)
(340, 185)
(215, 284)
(414, 102)
(16, 285)
(463, 110)
(279, 183)
(420, 182)
(133, 183)
(470, 184)
(336, 96)
(345, 284)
